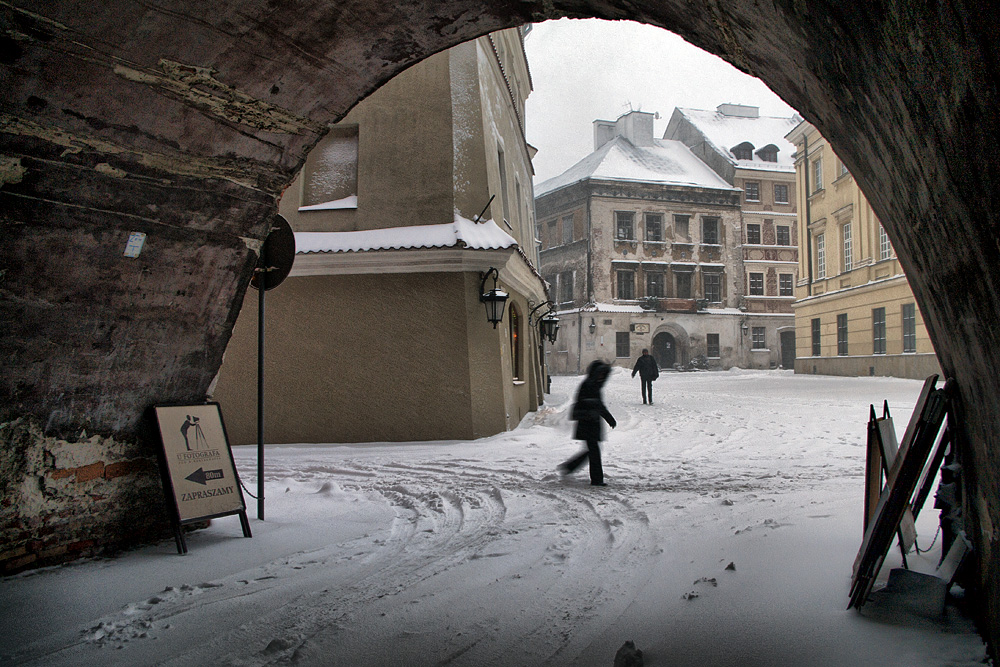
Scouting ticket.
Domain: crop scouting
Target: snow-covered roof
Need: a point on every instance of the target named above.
(667, 161)
(725, 132)
(462, 233)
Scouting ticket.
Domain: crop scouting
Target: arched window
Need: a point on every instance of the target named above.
(515, 342)
(743, 151)
(768, 153)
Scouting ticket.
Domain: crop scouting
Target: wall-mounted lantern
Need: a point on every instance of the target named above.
(550, 326)
(593, 325)
(744, 328)
(494, 299)
(548, 323)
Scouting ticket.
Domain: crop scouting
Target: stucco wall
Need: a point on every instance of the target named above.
(353, 359)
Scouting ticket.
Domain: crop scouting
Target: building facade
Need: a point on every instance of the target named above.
(751, 152)
(855, 313)
(402, 210)
(640, 246)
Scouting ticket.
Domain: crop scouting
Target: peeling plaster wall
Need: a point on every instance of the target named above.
(176, 99)
(62, 499)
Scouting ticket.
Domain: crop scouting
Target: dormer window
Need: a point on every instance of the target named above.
(743, 151)
(768, 153)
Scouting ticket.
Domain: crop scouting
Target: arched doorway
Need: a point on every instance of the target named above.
(664, 350)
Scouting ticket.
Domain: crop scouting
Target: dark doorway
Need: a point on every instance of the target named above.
(664, 350)
(788, 349)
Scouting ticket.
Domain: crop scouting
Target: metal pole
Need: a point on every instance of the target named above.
(260, 397)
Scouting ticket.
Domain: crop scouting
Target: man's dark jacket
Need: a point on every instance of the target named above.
(646, 367)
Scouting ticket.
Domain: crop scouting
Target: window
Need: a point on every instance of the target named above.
(848, 248)
(784, 235)
(768, 153)
(626, 285)
(683, 285)
(842, 334)
(816, 349)
(515, 342)
(713, 287)
(625, 225)
(753, 233)
(743, 151)
(654, 226)
(785, 285)
(878, 330)
(757, 341)
(817, 174)
(710, 231)
(712, 345)
(567, 229)
(909, 327)
(751, 191)
(503, 185)
(681, 228)
(331, 170)
(654, 284)
(566, 287)
(757, 284)
(780, 193)
(821, 255)
(623, 346)
(842, 171)
(884, 247)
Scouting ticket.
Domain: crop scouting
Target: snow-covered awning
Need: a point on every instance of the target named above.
(462, 233)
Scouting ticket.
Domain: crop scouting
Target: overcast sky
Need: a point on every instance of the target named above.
(588, 70)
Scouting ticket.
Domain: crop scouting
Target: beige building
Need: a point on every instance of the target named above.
(640, 245)
(854, 313)
(750, 152)
(379, 333)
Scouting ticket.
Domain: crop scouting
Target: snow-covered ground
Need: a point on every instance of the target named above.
(478, 553)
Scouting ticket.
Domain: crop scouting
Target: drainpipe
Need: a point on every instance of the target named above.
(805, 176)
(579, 341)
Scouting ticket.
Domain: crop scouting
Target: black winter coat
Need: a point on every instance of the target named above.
(646, 367)
(589, 408)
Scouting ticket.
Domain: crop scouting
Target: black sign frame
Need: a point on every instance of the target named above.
(210, 448)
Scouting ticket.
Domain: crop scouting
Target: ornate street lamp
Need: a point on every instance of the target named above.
(494, 299)
(550, 326)
(548, 323)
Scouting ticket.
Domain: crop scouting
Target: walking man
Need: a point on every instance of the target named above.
(648, 371)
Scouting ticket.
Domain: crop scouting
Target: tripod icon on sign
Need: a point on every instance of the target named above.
(200, 442)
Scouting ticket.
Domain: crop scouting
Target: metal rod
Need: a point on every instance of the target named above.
(260, 396)
(483, 212)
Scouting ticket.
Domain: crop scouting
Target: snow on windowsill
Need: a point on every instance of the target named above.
(340, 204)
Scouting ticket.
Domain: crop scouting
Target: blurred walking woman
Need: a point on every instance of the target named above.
(588, 411)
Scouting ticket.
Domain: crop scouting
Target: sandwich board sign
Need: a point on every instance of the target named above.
(199, 475)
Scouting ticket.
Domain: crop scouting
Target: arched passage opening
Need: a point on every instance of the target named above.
(185, 125)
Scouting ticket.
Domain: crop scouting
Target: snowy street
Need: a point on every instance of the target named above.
(479, 553)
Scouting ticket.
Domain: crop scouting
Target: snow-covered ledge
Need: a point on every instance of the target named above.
(459, 246)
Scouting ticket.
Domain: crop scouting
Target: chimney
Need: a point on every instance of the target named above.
(637, 127)
(739, 110)
(604, 131)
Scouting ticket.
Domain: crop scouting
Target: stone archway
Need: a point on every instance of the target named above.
(185, 122)
(664, 350)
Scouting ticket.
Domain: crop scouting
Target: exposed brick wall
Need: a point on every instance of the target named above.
(68, 499)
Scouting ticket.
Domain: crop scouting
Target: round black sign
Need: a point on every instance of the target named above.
(276, 256)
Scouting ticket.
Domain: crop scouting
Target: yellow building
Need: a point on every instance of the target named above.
(854, 311)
